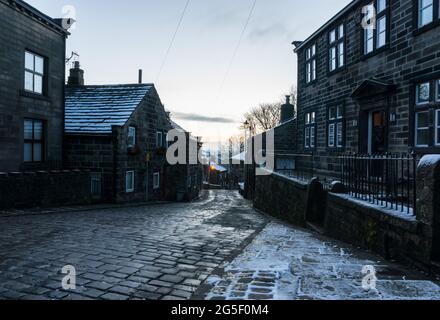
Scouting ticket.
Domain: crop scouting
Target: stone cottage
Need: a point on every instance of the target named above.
(118, 132)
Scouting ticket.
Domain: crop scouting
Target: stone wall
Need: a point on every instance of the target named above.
(281, 197)
(394, 237)
(413, 239)
(44, 189)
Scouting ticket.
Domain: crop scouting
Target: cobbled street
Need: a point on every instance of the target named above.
(215, 248)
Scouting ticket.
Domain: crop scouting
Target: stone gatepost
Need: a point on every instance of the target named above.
(428, 203)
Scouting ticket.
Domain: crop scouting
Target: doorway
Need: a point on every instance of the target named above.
(377, 132)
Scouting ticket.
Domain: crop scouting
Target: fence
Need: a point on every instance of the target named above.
(386, 180)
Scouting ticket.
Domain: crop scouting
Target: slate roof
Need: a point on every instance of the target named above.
(95, 109)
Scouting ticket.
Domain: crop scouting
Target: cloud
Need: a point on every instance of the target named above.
(277, 29)
(200, 118)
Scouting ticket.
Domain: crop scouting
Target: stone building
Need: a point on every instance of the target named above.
(118, 132)
(32, 67)
(185, 179)
(371, 83)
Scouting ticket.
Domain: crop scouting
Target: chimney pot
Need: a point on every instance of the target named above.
(140, 76)
(76, 77)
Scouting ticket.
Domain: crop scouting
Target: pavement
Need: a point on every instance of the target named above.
(215, 248)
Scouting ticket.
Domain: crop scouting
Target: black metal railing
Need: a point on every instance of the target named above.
(385, 180)
(297, 166)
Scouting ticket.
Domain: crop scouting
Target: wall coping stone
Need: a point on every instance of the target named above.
(395, 218)
(298, 183)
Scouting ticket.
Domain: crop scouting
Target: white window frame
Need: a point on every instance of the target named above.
(156, 180)
(417, 129)
(339, 135)
(336, 51)
(420, 11)
(417, 93)
(310, 130)
(368, 38)
(437, 127)
(381, 32)
(131, 136)
(34, 73)
(437, 90)
(130, 188)
(331, 135)
(159, 141)
(311, 64)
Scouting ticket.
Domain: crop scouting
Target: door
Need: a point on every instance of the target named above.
(377, 132)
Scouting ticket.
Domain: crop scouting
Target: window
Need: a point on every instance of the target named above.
(95, 183)
(427, 114)
(423, 93)
(33, 140)
(311, 64)
(376, 33)
(159, 139)
(437, 91)
(310, 130)
(335, 134)
(33, 73)
(425, 12)
(437, 127)
(422, 129)
(131, 137)
(129, 181)
(156, 180)
(336, 48)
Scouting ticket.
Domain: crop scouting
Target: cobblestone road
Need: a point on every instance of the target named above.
(155, 252)
(216, 248)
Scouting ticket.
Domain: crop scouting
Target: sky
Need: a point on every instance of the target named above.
(213, 72)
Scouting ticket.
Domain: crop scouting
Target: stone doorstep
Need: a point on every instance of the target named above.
(73, 209)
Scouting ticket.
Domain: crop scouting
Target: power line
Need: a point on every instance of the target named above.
(231, 62)
(172, 40)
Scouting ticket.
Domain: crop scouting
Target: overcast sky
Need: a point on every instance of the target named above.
(116, 38)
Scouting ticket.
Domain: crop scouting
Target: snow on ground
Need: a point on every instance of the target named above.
(284, 263)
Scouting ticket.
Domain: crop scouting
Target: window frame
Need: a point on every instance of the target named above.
(159, 141)
(34, 141)
(417, 129)
(132, 188)
(35, 73)
(338, 123)
(336, 47)
(311, 63)
(131, 144)
(310, 130)
(385, 13)
(156, 180)
(417, 28)
(437, 128)
(429, 107)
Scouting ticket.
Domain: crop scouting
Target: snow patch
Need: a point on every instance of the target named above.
(429, 160)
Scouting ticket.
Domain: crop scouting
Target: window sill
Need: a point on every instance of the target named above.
(336, 71)
(418, 31)
(427, 150)
(375, 52)
(307, 84)
(37, 96)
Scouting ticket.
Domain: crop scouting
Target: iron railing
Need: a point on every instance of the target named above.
(388, 181)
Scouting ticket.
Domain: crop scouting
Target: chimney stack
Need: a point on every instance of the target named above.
(76, 77)
(140, 76)
(287, 111)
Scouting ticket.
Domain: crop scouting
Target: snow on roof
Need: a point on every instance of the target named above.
(95, 109)
(177, 127)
